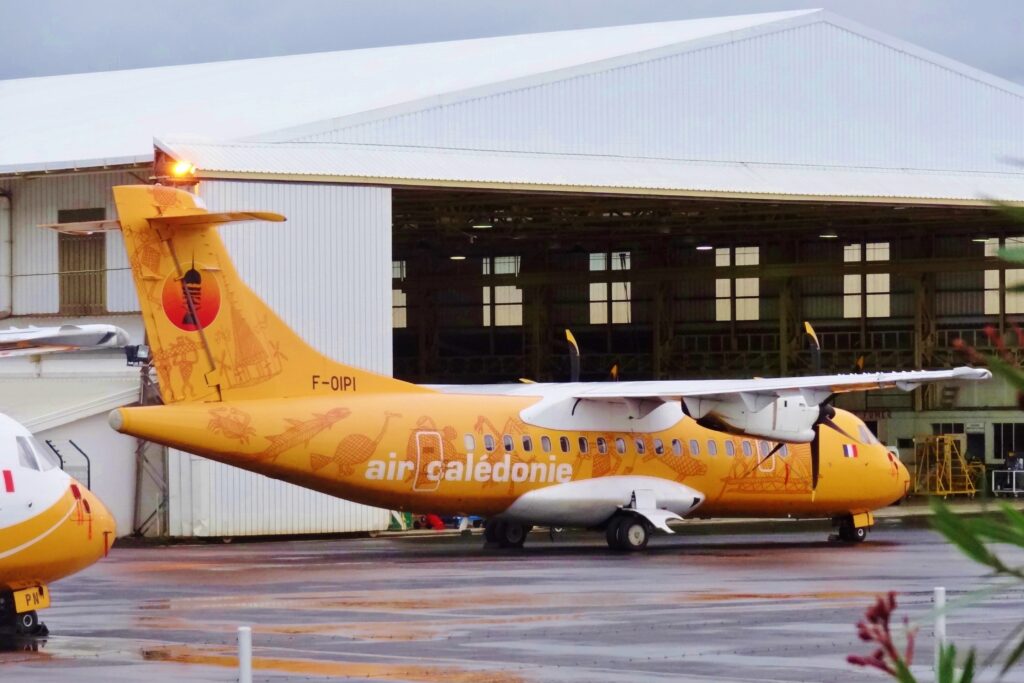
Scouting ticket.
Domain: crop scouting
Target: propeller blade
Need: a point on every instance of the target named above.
(574, 357)
(763, 460)
(815, 458)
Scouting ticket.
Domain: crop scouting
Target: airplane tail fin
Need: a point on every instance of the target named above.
(211, 337)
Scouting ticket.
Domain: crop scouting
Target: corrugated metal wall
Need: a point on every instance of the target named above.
(785, 97)
(327, 272)
(36, 201)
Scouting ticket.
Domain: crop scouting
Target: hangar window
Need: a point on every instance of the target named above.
(545, 443)
(503, 304)
(82, 264)
(610, 301)
(1012, 278)
(737, 298)
(399, 307)
(867, 294)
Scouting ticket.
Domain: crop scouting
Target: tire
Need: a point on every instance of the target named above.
(633, 534)
(512, 534)
(27, 623)
(493, 531)
(850, 533)
(611, 532)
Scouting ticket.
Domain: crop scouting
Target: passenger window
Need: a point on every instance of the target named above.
(545, 443)
(641, 447)
(763, 447)
(659, 447)
(563, 443)
(730, 448)
(527, 443)
(748, 450)
(677, 446)
(584, 445)
(712, 447)
(509, 443)
(602, 445)
(620, 445)
(694, 448)
(784, 451)
(489, 443)
(470, 443)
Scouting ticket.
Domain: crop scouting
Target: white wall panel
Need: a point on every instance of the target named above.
(816, 94)
(37, 200)
(327, 273)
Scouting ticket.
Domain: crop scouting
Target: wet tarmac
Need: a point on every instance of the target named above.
(737, 607)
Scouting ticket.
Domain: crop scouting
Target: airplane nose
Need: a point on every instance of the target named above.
(103, 523)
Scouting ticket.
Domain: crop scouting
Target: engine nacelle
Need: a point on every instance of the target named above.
(778, 418)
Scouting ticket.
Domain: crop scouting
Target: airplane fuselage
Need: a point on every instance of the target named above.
(474, 454)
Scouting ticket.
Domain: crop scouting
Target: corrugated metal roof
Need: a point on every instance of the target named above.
(109, 118)
(377, 164)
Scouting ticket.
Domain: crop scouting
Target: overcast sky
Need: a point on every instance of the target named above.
(45, 37)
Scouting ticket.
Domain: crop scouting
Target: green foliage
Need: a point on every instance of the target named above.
(971, 536)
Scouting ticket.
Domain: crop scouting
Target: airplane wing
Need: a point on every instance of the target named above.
(815, 389)
(34, 341)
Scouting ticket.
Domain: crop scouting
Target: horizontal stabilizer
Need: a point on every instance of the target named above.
(202, 218)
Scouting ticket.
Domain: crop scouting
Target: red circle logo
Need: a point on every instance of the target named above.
(196, 287)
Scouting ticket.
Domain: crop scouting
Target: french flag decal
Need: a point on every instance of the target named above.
(8, 481)
(849, 450)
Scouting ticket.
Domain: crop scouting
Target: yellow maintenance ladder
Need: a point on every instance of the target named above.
(941, 468)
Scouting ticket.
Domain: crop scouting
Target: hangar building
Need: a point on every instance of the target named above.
(682, 195)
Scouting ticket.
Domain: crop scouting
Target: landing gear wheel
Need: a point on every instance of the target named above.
(512, 534)
(627, 533)
(491, 529)
(28, 624)
(850, 533)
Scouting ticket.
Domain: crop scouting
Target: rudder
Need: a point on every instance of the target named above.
(211, 336)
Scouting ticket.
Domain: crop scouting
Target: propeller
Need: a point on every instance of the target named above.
(826, 413)
(815, 348)
(574, 357)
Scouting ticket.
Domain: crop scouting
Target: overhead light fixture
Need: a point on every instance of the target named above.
(704, 247)
(828, 235)
(482, 226)
(457, 258)
(980, 240)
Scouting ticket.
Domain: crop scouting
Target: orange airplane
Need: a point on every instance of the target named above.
(50, 526)
(627, 457)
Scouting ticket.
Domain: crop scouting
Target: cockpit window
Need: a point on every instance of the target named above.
(866, 436)
(32, 455)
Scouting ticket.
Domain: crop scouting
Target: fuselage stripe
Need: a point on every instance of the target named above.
(18, 549)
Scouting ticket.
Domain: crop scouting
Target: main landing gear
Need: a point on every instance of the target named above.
(19, 624)
(852, 528)
(505, 534)
(627, 533)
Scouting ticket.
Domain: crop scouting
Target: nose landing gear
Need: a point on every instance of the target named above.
(19, 624)
(851, 528)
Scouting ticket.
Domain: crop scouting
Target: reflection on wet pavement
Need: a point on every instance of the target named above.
(739, 607)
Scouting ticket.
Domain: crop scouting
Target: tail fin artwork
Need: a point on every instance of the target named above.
(212, 338)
